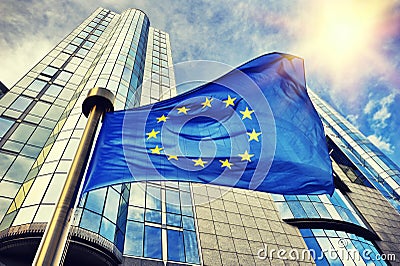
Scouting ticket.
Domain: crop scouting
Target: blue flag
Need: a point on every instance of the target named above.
(253, 128)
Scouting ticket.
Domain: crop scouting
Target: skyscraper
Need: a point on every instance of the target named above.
(160, 223)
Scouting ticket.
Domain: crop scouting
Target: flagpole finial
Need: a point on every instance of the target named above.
(100, 97)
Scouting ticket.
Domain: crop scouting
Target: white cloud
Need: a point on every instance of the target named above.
(383, 113)
(28, 30)
(369, 106)
(381, 143)
(17, 65)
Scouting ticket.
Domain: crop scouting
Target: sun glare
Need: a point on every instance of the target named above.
(341, 31)
(341, 38)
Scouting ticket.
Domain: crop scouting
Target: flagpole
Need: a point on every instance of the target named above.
(53, 243)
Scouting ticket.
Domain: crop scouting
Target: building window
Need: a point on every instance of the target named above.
(330, 247)
(161, 222)
(336, 207)
(5, 125)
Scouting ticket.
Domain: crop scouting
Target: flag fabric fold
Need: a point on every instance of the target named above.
(253, 128)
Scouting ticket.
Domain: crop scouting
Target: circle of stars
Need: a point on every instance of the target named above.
(207, 103)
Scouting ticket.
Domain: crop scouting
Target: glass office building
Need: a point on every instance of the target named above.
(171, 223)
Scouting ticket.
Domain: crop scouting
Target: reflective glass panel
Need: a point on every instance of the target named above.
(175, 246)
(5, 125)
(191, 247)
(21, 103)
(50, 71)
(152, 242)
(134, 239)
(37, 85)
(90, 221)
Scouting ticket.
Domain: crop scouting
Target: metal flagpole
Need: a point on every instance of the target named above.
(50, 251)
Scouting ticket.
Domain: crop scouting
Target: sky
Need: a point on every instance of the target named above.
(350, 48)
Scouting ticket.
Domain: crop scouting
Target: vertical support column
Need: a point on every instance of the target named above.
(51, 248)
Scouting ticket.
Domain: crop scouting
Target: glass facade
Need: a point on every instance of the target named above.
(161, 222)
(335, 207)
(171, 223)
(377, 169)
(340, 248)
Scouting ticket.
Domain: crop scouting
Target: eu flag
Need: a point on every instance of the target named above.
(253, 128)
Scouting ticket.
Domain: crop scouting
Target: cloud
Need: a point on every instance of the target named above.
(369, 106)
(382, 114)
(29, 29)
(33, 48)
(381, 143)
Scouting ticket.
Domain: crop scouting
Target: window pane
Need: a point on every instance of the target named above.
(134, 239)
(296, 209)
(37, 85)
(152, 242)
(93, 38)
(312, 244)
(66, 94)
(153, 197)
(5, 162)
(188, 223)
(21, 103)
(137, 194)
(54, 112)
(111, 210)
(95, 200)
(136, 214)
(22, 133)
(50, 71)
(5, 125)
(19, 169)
(284, 210)
(107, 229)
(64, 76)
(82, 52)
(9, 189)
(39, 137)
(153, 216)
(173, 203)
(54, 90)
(90, 221)
(192, 253)
(88, 44)
(13, 146)
(310, 210)
(40, 108)
(175, 246)
(174, 220)
(186, 201)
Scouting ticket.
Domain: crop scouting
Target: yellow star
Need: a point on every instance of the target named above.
(246, 113)
(156, 150)
(229, 101)
(163, 118)
(246, 156)
(199, 162)
(226, 163)
(183, 109)
(152, 134)
(170, 157)
(253, 135)
(206, 103)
